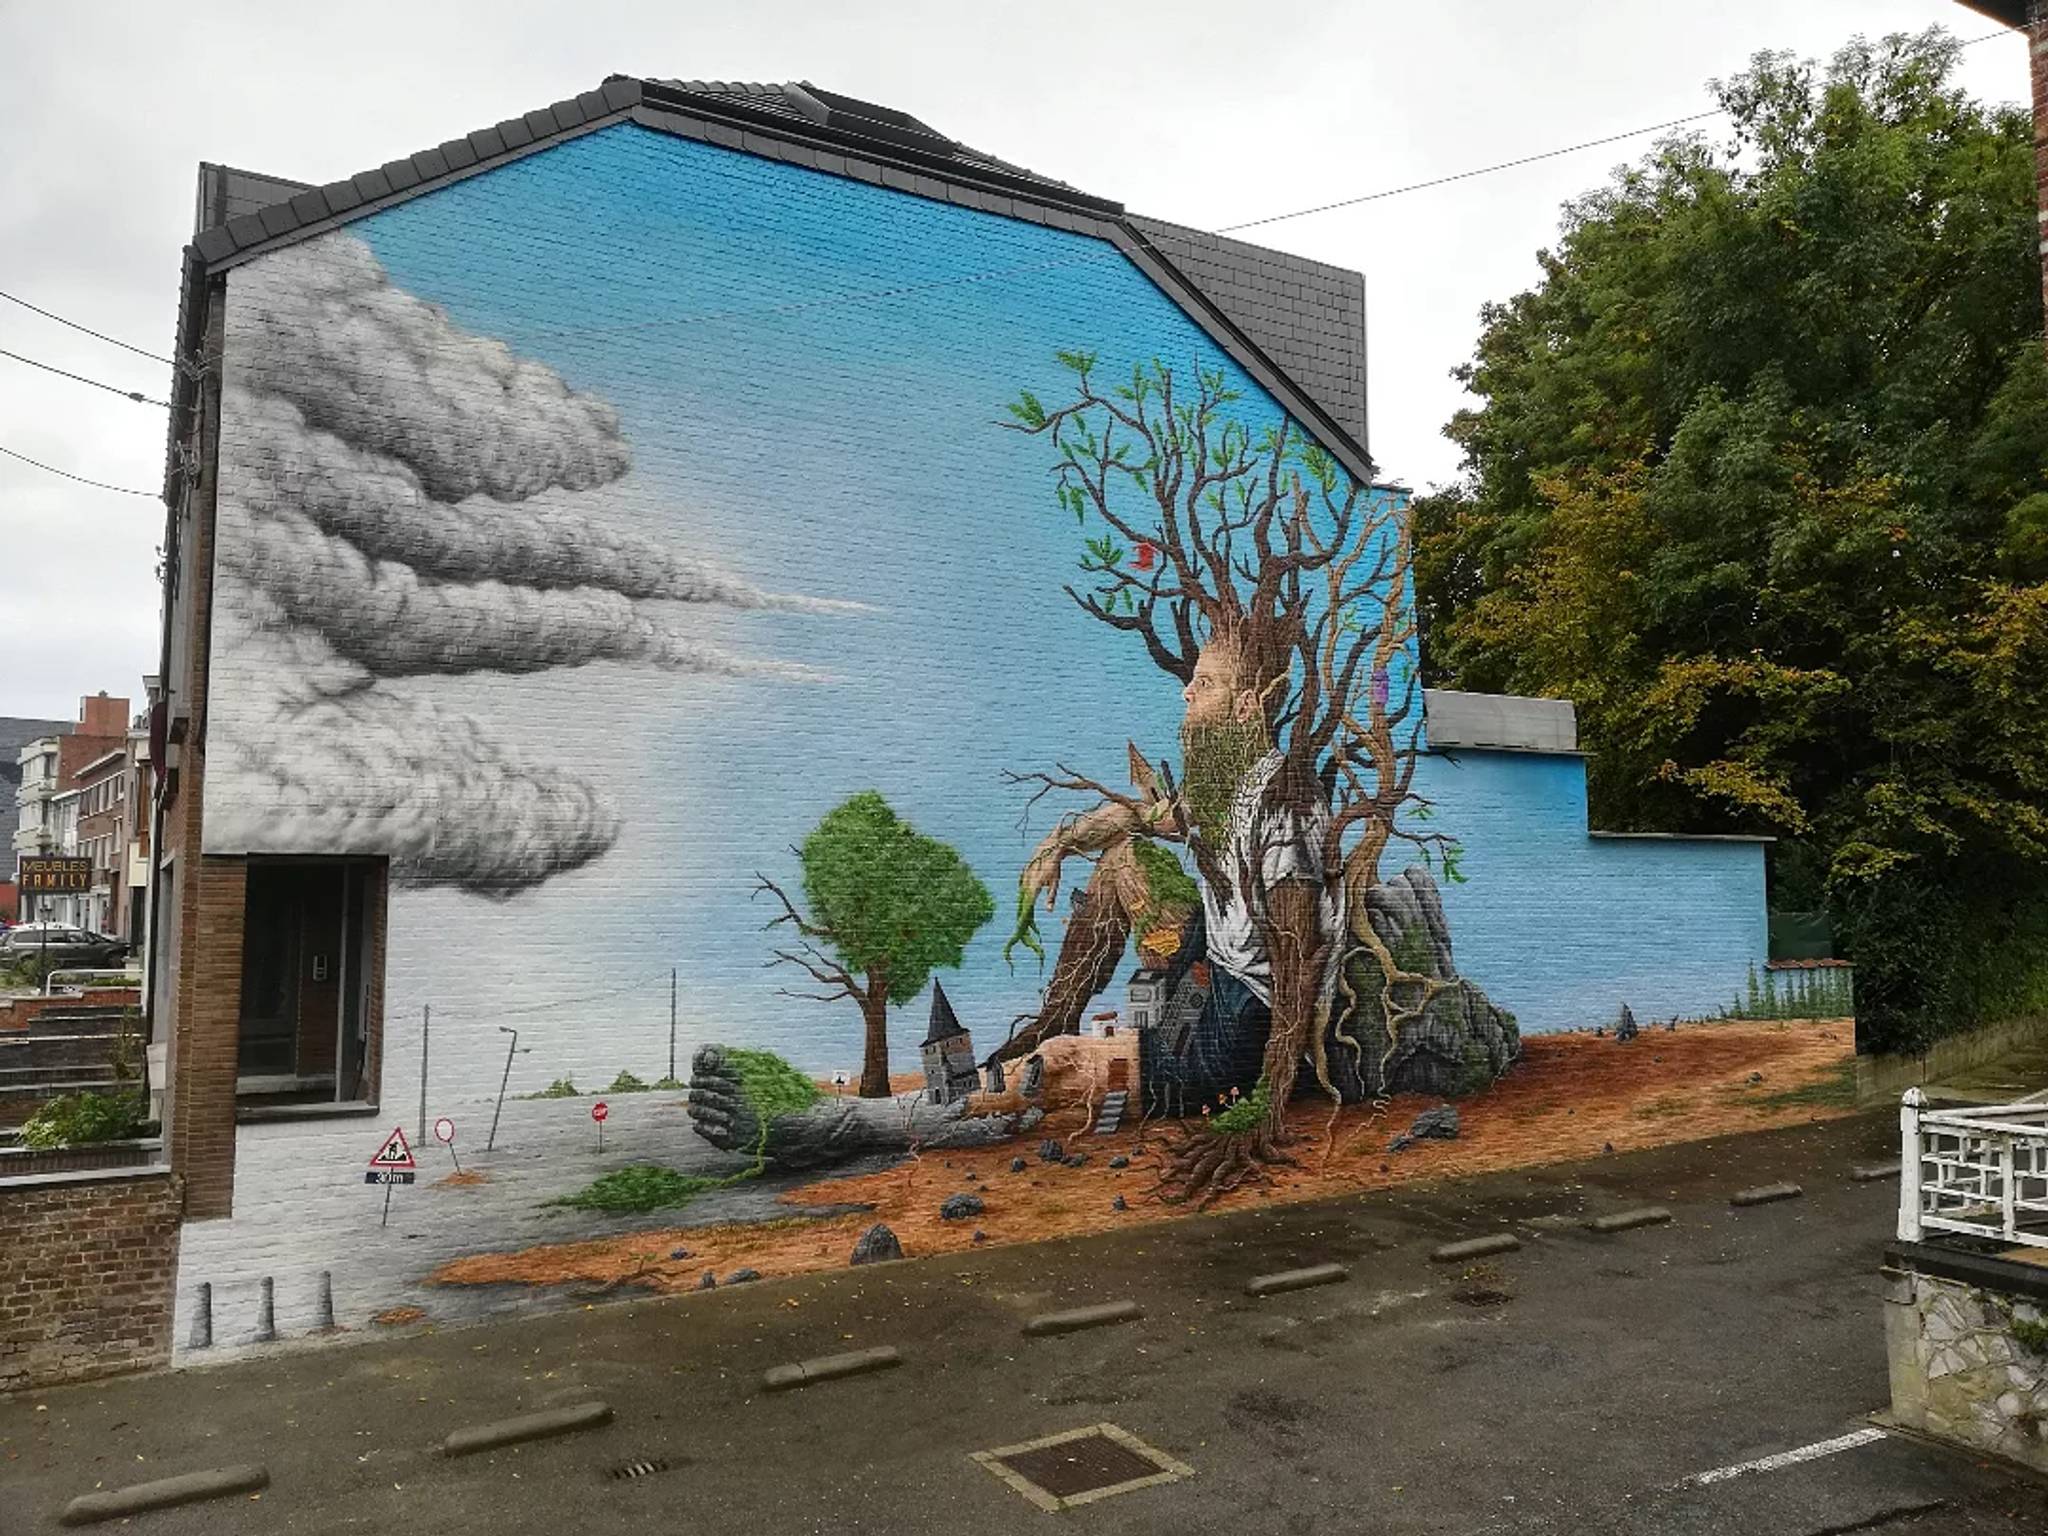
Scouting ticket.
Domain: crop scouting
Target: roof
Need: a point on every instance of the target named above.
(945, 1023)
(1296, 326)
(2012, 12)
(1500, 720)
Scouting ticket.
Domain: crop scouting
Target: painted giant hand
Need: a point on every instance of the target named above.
(1274, 588)
(400, 498)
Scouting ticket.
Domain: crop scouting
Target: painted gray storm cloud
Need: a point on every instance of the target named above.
(402, 498)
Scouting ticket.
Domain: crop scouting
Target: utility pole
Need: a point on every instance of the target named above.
(671, 1023)
(511, 1049)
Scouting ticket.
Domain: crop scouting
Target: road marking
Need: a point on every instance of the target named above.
(1813, 1452)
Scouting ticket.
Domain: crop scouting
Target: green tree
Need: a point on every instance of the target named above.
(1758, 474)
(887, 905)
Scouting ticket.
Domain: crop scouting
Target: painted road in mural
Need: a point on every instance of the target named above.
(683, 601)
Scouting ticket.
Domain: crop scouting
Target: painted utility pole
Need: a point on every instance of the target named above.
(426, 1020)
(671, 1023)
(511, 1049)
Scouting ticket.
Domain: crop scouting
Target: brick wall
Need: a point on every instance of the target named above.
(87, 1265)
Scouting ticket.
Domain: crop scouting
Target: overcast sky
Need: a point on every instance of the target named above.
(1174, 108)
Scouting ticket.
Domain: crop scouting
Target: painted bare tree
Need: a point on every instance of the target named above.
(1274, 587)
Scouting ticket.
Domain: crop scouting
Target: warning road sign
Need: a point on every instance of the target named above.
(396, 1153)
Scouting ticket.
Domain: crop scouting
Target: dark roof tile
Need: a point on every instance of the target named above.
(568, 114)
(310, 207)
(431, 164)
(459, 153)
(541, 122)
(514, 134)
(246, 230)
(341, 196)
(400, 175)
(214, 244)
(622, 93)
(373, 185)
(488, 143)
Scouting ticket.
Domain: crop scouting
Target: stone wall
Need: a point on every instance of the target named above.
(87, 1266)
(1958, 1371)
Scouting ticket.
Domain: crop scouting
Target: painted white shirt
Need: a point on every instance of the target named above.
(1278, 843)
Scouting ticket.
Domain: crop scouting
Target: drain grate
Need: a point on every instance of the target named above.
(1081, 1466)
(626, 1471)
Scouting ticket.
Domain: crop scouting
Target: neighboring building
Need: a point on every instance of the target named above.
(49, 798)
(17, 732)
(490, 680)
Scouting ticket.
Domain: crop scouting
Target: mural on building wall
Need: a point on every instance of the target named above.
(994, 749)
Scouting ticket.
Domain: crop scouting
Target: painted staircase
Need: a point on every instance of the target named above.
(1111, 1117)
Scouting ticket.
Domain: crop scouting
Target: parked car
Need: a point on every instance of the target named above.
(65, 946)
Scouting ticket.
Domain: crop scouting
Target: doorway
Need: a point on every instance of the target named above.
(308, 993)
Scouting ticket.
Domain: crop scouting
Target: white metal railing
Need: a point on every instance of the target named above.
(119, 975)
(1982, 1171)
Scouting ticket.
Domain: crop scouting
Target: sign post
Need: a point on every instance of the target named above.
(444, 1133)
(52, 874)
(600, 1112)
(393, 1164)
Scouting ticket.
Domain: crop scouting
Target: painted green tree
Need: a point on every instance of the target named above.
(886, 906)
(1758, 475)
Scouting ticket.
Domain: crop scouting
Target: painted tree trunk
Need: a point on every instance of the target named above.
(874, 1011)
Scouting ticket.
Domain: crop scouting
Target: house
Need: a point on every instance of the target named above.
(948, 1051)
(559, 517)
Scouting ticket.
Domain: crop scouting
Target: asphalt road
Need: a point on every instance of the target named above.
(1576, 1385)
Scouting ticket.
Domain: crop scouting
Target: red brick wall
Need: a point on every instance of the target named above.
(88, 1270)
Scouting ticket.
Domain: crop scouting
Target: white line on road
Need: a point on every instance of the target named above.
(1813, 1452)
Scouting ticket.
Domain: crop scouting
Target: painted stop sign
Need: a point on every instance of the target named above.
(599, 1111)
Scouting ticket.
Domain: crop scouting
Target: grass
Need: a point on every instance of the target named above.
(560, 1088)
(639, 1187)
(1836, 1089)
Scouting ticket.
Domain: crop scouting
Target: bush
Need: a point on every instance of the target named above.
(78, 1119)
(640, 1187)
(560, 1088)
(626, 1082)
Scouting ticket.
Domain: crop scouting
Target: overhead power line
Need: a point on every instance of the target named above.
(125, 490)
(113, 389)
(155, 357)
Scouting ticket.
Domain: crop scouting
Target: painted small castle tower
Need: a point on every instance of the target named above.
(949, 1069)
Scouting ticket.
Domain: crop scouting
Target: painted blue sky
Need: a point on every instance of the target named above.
(810, 372)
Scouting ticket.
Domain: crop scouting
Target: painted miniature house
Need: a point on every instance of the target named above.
(949, 1069)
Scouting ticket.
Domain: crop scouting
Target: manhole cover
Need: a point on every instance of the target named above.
(626, 1471)
(1082, 1465)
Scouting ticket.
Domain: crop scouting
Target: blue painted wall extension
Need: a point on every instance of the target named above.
(1562, 927)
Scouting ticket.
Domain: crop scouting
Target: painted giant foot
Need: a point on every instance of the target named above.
(831, 1130)
(1448, 1038)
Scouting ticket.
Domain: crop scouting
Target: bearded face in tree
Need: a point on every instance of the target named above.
(1273, 583)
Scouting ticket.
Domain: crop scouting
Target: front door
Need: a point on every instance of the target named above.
(271, 939)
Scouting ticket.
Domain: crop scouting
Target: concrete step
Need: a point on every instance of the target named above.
(63, 1072)
(54, 1050)
(78, 1019)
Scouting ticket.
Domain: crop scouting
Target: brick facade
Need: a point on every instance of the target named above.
(87, 1264)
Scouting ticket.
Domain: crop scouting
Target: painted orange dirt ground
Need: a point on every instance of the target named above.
(1570, 1096)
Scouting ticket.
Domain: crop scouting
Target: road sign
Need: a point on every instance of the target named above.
(388, 1176)
(444, 1131)
(600, 1111)
(841, 1078)
(396, 1153)
(55, 874)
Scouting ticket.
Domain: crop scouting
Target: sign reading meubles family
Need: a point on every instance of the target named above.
(860, 626)
(54, 874)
